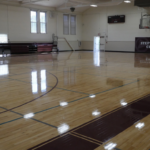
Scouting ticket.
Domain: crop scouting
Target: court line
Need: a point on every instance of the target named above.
(87, 96)
(85, 139)
(11, 121)
(106, 76)
(73, 100)
(44, 123)
(68, 89)
(22, 118)
(49, 86)
(86, 73)
(59, 105)
(36, 97)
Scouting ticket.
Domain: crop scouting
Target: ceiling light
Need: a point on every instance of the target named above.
(30, 115)
(110, 146)
(96, 113)
(140, 125)
(127, 1)
(93, 5)
(63, 103)
(63, 128)
(92, 95)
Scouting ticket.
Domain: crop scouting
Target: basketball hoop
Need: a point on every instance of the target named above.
(144, 21)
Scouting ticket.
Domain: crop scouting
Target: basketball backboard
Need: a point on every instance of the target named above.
(144, 21)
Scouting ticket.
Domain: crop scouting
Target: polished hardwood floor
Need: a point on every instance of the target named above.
(75, 101)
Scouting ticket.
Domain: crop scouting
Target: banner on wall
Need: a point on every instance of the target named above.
(142, 44)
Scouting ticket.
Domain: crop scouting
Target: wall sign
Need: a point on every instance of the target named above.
(142, 44)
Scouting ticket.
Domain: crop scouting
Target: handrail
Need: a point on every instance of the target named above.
(66, 42)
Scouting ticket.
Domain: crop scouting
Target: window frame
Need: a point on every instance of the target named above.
(36, 22)
(69, 33)
(75, 25)
(42, 22)
(68, 24)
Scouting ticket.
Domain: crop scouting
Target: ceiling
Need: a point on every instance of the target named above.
(64, 5)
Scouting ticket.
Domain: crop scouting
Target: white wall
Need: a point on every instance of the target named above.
(15, 21)
(121, 37)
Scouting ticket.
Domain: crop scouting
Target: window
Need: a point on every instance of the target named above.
(3, 38)
(42, 22)
(33, 22)
(36, 23)
(69, 25)
(66, 24)
(73, 25)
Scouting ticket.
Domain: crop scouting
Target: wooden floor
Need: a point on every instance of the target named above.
(75, 101)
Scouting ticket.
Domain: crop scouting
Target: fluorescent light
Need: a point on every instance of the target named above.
(110, 146)
(140, 125)
(63, 128)
(96, 113)
(127, 1)
(93, 5)
(63, 103)
(30, 115)
(92, 95)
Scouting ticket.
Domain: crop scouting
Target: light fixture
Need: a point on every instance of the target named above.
(63, 128)
(127, 1)
(27, 116)
(110, 146)
(96, 113)
(140, 125)
(92, 95)
(63, 103)
(93, 5)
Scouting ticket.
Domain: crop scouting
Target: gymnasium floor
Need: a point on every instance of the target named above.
(75, 101)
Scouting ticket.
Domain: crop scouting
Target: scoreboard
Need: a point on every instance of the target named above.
(116, 19)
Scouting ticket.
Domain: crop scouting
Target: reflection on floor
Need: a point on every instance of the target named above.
(75, 101)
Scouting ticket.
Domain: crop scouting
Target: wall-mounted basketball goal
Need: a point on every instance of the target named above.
(144, 21)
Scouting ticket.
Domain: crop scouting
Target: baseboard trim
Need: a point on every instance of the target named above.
(121, 51)
(84, 50)
(66, 51)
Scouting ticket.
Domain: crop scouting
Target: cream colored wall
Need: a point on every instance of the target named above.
(3, 19)
(121, 37)
(15, 21)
